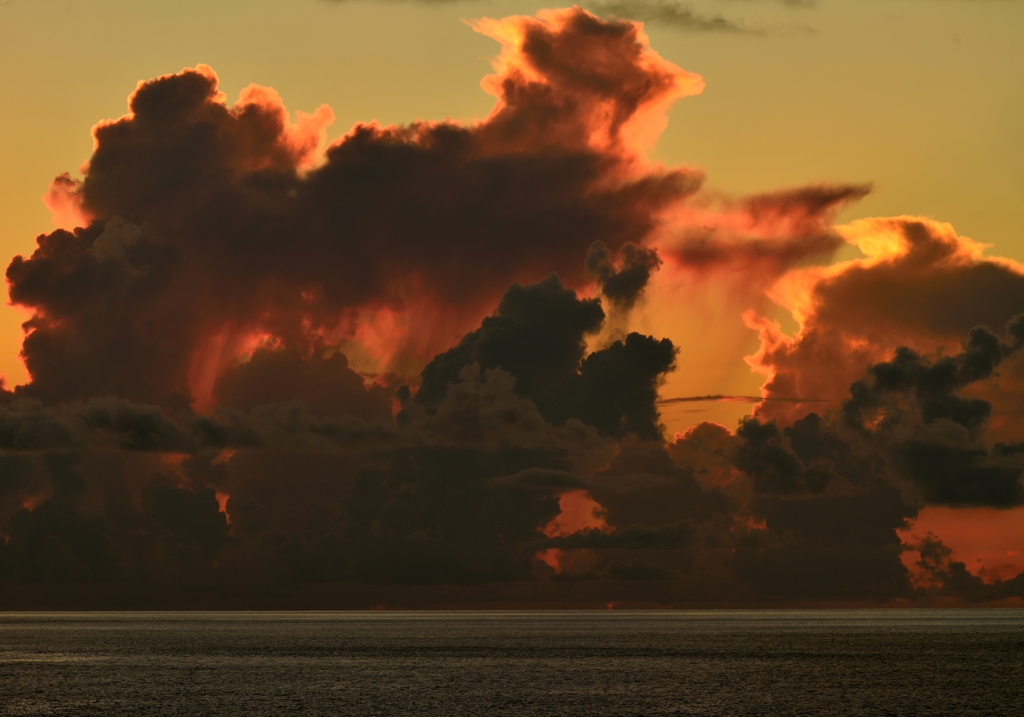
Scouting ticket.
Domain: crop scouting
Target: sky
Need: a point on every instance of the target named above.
(480, 303)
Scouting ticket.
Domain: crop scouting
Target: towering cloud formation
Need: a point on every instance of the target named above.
(400, 367)
(216, 228)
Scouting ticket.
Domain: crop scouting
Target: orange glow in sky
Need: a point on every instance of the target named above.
(577, 511)
(989, 542)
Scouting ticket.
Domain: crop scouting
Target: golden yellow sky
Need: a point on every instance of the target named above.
(924, 98)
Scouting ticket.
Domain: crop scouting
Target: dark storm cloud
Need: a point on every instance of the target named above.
(622, 285)
(427, 504)
(55, 542)
(456, 493)
(27, 425)
(828, 514)
(437, 516)
(195, 432)
(174, 533)
(643, 485)
(954, 580)
(932, 437)
(452, 495)
(827, 548)
(830, 493)
(1007, 449)
(774, 466)
(959, 476)
(934, 383)
(616, 388)
(538, 336)
(931, 287)
(31, 426)
(905, 425)
(326, 385)
(542, 479)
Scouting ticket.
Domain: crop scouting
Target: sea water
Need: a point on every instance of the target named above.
(914, 662)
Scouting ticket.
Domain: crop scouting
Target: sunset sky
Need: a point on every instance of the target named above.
(359, 206)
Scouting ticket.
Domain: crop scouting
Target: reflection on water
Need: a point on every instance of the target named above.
(922, 662)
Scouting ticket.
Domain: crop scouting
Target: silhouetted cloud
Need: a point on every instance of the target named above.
(326, 385)
(401, 364)
(213, 227)
(622, 285)
(538, 336)
(672, 14)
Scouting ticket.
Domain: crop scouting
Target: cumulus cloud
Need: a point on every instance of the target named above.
(920, 285)
(409, 361)
(216, 227)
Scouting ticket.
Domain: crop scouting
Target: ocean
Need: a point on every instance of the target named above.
(880, 662)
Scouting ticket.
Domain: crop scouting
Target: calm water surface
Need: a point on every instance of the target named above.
(960, 662)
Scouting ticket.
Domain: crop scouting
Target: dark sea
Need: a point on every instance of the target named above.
(921, 662)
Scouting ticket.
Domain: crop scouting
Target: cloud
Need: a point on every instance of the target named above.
(772, 232)
(671, 14)
(644, 485)
(324, 384)
(456, 493)
(616, 387)
(933, 384)
(423, 364)
(668, 537)
(950, 577)
(423, 503)
(622, 285)
(914, 405)
(833, 491)
(218, 227)
(827, 548)
(920, 285)
(538, 336)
